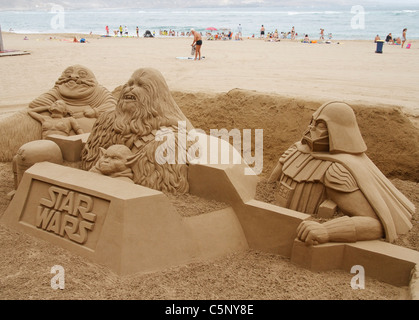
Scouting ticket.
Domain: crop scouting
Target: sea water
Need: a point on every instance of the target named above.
(342, 22)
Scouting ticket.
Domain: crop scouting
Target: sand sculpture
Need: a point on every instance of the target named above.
(328, 172)
(85, 98)
(144, 108)
(59, 121)
(78, 88)
(131, 228)
(114, 163)
(33, 152)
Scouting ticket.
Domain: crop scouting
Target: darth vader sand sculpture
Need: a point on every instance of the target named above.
(329, 170)
(145, 107)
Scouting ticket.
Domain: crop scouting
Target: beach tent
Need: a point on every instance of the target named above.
(148, 34)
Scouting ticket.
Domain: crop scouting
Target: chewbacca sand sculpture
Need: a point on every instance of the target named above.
(78, 88)
(328, 171)
(145, 108)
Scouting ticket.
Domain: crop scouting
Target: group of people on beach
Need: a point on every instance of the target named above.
(275, 36)
(122, 31)
(393, 40)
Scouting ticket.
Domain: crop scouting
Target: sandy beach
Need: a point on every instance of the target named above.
(240, 84)
(349, 71)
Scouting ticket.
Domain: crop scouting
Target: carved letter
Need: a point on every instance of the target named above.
(68, 203)
(43, 216)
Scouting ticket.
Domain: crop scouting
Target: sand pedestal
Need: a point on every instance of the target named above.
(128, 228)
(381, 260)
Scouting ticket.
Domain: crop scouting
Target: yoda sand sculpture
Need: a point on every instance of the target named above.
(114, 162)
(78, 88)
(328, 170)
(145, 107)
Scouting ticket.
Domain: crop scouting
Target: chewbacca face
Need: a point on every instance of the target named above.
(136, 111)
(134, 99)
(76, 82)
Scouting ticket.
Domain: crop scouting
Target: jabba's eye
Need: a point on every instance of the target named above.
(68, 72)
(82, 74)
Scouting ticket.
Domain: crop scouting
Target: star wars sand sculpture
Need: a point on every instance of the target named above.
(327, 172)
(85, 98)
(78, 88)
(145, 106)
(59, 121)
(114, 162)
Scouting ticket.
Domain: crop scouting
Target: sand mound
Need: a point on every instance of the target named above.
(392, 139)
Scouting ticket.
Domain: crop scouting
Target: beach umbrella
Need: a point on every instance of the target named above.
(211, 29)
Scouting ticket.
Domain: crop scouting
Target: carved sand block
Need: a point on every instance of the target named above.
(126, 227)
(70, 146)
(267, 227)
(381, 260)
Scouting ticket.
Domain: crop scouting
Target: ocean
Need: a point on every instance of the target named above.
(342, 22)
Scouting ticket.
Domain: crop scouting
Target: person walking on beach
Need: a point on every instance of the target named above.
(404, 36)
(138, 31)
(197, 41)
(239, 31)
(293, 33)
(262, 32)
(389, 39)
(107, 30)
(321, 34)
(120, 30)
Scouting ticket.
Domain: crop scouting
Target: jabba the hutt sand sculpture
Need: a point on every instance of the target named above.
(78, 88)
(145, 107)
(85, 98)
(328, 168)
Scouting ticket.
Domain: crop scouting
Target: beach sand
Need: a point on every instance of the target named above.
(249, 84)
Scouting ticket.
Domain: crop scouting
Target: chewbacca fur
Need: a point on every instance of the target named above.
(154, 109)
(16, 130)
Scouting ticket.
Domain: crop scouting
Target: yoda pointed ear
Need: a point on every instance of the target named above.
(101, 151)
